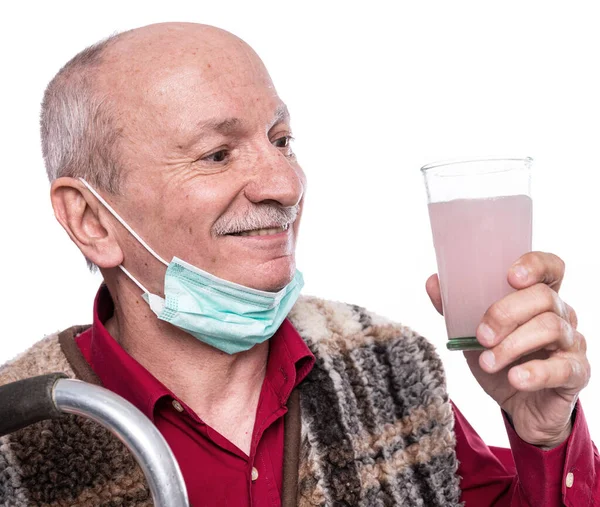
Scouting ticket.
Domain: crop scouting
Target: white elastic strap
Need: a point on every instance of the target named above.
(124, 224)
(132, 278)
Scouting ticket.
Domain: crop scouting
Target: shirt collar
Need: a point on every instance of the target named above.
(118, 371)
(289, 362)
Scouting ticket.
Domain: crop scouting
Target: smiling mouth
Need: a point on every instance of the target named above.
(262, 232)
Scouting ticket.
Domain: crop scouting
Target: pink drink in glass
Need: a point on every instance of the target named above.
(476, 241)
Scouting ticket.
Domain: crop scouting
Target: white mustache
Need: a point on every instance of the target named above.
(261, 216)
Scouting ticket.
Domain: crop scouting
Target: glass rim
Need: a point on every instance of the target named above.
(436, 165)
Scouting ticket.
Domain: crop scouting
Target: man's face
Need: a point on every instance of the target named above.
(205, 147)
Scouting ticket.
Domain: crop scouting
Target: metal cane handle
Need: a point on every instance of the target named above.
(28, 401)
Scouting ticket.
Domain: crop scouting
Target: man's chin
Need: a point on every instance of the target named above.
(269, 278)
(270, 286)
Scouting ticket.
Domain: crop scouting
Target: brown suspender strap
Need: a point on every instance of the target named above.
(78, 363)
(291, 454)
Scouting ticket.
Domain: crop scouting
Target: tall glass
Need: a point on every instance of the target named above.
(481, 219)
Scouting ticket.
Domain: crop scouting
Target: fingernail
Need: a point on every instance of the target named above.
(522, 374)
(520, 272)
(488, 358)
(486, 333)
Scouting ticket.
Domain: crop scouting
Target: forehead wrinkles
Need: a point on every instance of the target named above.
(194, 83)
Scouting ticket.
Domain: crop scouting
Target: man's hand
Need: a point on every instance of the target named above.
(536, 363)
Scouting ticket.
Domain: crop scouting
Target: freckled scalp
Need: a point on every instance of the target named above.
(165, 46)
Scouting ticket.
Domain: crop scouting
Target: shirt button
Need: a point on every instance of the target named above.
(177, 406)
(569, 480)
(254, 474)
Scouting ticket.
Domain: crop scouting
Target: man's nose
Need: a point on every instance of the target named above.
(275, 178)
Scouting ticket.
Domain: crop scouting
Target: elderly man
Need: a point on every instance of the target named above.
(169, 154)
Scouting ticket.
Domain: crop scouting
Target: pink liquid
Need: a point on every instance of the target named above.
(476, 242)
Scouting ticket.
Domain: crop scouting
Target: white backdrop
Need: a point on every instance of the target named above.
(375, 92)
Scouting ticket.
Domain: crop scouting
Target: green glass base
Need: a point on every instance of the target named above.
(466, 343)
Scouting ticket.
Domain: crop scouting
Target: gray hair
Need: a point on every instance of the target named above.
(78, 128)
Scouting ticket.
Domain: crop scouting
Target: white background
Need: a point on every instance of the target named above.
(376, 90)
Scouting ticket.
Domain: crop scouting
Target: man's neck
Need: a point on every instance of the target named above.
(222, 389)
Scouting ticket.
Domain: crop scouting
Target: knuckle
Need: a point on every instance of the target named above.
(580, 342)
(543, 376)
(571, 315)
(581, 371)
(575, 368)
(548, 266)
(531, 257)
(560, 307)
(576, 372)
(567, 333)
(536, 262)
(556, 265)
(568, 370)
(507, 350)
(499, 313)
(588, 372)
(560, 265)
(585, 371)
(551, 323)
(545, 295)
(525, 258)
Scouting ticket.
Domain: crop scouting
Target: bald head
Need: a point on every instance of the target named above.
(155, 51)
(97, 108)
(167, 43)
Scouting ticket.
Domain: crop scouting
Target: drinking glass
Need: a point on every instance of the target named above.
(481, 219)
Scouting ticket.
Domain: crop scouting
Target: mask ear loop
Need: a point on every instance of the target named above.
(132, 278)
(131, 231)
(123, 223)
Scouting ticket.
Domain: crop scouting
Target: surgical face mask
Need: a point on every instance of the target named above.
(223, 314)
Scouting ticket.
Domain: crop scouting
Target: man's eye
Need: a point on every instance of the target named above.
(283, 142)
(217, 156)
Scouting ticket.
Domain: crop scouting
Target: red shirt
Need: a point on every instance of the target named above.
(217, 473)
(525, 475)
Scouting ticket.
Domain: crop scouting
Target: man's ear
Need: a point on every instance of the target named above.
(86, 222)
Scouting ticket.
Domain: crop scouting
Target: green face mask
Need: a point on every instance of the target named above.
(223, 314)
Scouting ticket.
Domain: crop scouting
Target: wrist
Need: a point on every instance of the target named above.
(547, 445)
(545, 441)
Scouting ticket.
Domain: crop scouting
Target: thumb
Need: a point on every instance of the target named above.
(432, 286)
